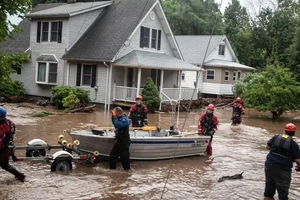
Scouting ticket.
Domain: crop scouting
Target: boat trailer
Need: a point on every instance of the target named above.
(61, 160)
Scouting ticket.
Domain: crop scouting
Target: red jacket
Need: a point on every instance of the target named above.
(206, 124)
(238, 106)
(6, 127)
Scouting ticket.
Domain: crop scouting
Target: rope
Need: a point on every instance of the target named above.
(190, 103)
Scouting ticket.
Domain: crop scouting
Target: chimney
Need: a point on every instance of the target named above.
(71, 1)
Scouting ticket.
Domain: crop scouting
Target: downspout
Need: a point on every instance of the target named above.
(109, 87)
(106, 85)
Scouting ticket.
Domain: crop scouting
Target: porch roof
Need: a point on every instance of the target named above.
(225, 63)
(153, 60)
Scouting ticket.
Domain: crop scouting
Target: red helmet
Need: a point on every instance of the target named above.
(211, 107)
(290, 127)
(139, 97)
(238, 99)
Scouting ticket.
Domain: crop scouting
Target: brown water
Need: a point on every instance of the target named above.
(234, 150)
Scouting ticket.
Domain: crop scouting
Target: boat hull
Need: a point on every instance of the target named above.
(145, 147)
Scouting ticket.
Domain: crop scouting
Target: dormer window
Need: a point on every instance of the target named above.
(222, 49)
(49, 31)
(154, 34)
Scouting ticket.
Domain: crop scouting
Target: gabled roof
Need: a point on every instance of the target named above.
(68, 10)
(21, 41)
(228, 64)
(193, 47)
(109, 32)
(154, 60)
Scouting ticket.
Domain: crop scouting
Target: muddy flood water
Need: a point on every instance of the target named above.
(235, 150)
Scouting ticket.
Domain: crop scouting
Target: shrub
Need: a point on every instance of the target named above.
(150, 95)
(41, 113)
(61, 92)
(70, 101)
(11, 88)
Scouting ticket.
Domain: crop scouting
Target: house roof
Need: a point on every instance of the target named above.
(67, 10)
(228, 64)
(109, 32)
(154, 60)
(193, 47)
(21, 41)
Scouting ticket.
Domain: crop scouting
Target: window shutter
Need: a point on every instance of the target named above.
(59, 31)
(78, 80)
(159, 40)
(94, 75)
(142, 37)
(38, 32)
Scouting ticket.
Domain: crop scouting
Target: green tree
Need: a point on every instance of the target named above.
(274, 90)
(193, 17)
(151, 95)
(70, 101)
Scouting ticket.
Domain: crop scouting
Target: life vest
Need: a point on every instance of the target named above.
(207, 123)
(281, 146)
(138, 112)
(236, 110)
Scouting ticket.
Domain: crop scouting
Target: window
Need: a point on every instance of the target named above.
(227, 74)
(222, 49)
(45, 31)
(49, 31)
(155, 38)
(86, 75)
(183, 76)
(210, 74)
(234, 76)
(18, 69)
(239, 75)
(46, 72)
(145, 37)
(54, 31)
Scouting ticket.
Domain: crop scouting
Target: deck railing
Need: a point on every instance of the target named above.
(128, 94)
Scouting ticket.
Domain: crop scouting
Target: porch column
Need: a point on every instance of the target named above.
(197, 84)
(139, 81)
(179, 98)
(161, 86)
(109, 87)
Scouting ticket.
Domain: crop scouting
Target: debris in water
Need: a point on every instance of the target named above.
(236, 176)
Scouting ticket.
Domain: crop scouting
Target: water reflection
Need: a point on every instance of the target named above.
(235, 150)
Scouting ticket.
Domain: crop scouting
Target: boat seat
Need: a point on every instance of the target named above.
(98, 132)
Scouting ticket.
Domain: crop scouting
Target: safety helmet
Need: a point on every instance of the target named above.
(139, 97)
(238, 99)
(211, 107)
(2, 112)
(290, 127)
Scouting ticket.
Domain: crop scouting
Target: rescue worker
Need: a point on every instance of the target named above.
(208, 126)
(7, 130)
(283, 152)
(138, 113)
(122, 143)
(237, 111)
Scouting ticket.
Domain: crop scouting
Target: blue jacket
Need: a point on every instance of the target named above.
(122, 128)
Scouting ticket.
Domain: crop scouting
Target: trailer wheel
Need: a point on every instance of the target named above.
(36, 152)
(61, 164)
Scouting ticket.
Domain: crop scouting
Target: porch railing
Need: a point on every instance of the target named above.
(128, 94)
(186, 93)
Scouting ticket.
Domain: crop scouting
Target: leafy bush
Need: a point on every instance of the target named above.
(70, 101)
(275, 90)
(11, 88)
(150, 95)
(61, 92)
(41, 113)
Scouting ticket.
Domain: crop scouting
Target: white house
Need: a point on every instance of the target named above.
(108, 48)
(215, 55)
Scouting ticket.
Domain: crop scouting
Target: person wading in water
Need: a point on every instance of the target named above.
(138, 113)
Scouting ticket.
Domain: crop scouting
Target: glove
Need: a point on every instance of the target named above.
(243, 113)
(113, 113)
(146, 122)
(297, 168)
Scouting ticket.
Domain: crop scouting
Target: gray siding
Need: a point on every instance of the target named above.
(134, 41)
(79, 24)
(95, 96)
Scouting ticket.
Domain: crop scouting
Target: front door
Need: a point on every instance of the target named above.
(155, 75)
(130, 83)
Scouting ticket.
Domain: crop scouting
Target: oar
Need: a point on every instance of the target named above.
(185, 134)
(145, 128)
